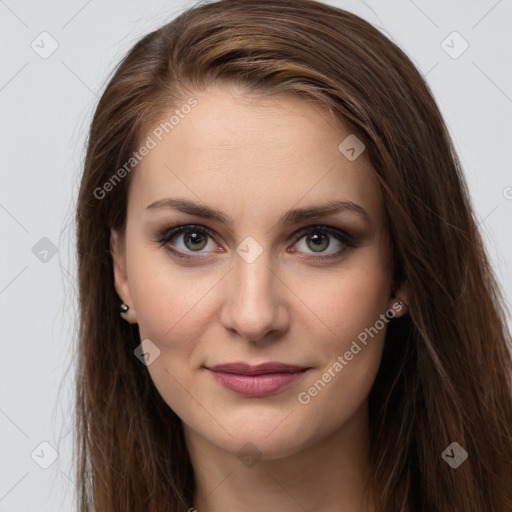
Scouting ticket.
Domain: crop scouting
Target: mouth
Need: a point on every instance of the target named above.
(259, 380)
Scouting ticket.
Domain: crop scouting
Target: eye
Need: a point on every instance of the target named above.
(192, 237)
(183, 241)
(318, 239)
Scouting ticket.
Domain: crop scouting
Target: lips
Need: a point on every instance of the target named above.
(256, 380)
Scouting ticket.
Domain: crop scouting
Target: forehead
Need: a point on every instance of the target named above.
(234, 150)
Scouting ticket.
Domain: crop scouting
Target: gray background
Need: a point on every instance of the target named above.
(46, 106)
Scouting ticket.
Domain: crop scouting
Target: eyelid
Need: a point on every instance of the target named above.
(337, 233)
(170, 233)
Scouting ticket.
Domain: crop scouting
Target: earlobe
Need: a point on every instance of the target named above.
(399, 301)
(121, 284)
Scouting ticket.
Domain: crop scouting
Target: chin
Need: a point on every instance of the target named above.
(271, 436)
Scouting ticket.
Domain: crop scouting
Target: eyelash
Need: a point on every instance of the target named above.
(168, 234)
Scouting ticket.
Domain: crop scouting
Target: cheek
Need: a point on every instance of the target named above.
(172, 307)
(172, 303)
(347, 301)
(352, 310)
(350, 358)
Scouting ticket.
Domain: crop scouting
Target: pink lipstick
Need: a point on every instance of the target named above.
(258, 380)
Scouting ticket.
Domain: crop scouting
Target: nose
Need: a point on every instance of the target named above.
(255, 305)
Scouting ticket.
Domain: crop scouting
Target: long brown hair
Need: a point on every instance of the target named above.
(446, 370)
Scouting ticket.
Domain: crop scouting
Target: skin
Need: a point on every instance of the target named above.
(254, 158)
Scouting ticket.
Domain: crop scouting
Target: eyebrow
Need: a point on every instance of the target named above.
(292, 216)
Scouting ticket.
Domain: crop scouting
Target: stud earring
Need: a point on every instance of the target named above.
(123, 308)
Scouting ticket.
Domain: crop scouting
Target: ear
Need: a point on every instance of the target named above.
(121, 284)
(403, 293)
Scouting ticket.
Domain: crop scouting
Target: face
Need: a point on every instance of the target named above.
(257, 273)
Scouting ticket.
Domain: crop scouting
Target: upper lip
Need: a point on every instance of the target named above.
(259, 369)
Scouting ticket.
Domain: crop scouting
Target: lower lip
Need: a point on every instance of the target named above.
(256, 385)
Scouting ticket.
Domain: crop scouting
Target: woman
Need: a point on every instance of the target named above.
(285, 300)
